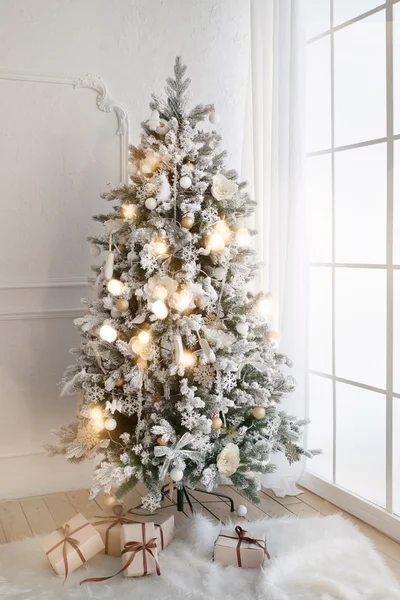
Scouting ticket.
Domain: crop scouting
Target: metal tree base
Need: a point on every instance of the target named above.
(182, 493)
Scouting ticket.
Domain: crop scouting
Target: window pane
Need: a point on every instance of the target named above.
(318, 17)
(396, 332)
(320, 430)
(396, 67)
(344, 10)
(320, 358)
(319, 201)
(396, 456)
(360, 205)
(360, 81)
(361, 442)
(360, 332)
(396, 203)
(318, 131)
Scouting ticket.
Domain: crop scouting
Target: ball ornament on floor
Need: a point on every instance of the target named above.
(109, 500)
(241, 510)
(176, 474)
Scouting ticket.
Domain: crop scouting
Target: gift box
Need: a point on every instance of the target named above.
(139, 550)
(69, 546)
(240, 548)
(109, 527)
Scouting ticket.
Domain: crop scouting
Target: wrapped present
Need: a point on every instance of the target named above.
(139, 550)
(109, 527)
(237, 548)
(71, 545)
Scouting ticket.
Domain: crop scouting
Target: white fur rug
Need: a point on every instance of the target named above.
(322, 558)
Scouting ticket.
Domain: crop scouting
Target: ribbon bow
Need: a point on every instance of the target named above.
(255, 361)
(122, 517)
(241, 537)
(134, 548)
(175, 451)
(67, 539)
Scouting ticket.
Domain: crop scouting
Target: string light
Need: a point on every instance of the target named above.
(215, 242)
(144, 337)
(96, 416)
(129, 211)
(160, 247)
(243, 237)
(189, 359)
(264, 306)
(108, 333)
(115, 287)
(222, 228)
(159, 308)
(185, 299)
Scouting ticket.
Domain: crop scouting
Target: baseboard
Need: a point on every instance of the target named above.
(356, 506)
(37, 474)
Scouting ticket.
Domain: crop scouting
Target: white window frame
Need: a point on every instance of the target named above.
(381, 518)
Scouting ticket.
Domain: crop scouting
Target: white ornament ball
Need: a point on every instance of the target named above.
(151, 203)
(110, 424)
(115, 313)
(241, 510)
(219, 273)
(95, 250)
(176, 474)
(242, 328)
(185, 182)
(214, 117)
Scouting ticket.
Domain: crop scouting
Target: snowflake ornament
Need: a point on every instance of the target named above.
(204, 375)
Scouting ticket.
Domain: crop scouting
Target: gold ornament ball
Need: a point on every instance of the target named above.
(161, 442)
(122, 304)
(216, 423)
(259, 412)
(109, 500)
(120, 382)
(187, 221)
(141, 362)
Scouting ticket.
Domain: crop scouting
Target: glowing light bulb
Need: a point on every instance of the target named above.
(243, 238)
(160, 292)
(215, 242)
(222, 228)
(115, 287)
(144, 337)
(185, 299)
(160, 309)
(108, 333)
(160, 247)
(264, 306)
(129, 211)
(96, 416)
(189, 359)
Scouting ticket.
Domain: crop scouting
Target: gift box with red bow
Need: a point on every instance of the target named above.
(240, 548)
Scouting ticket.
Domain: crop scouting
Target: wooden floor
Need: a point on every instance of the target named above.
(38, 515)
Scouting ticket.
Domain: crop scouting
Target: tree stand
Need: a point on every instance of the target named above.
(182, 493)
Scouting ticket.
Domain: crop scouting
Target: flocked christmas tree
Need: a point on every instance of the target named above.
(178, 373)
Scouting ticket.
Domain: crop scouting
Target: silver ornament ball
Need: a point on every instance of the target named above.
(242, 328)
(214, 117)
(176, 474)
(110, 424)
(185, 182)
(95, 250)
(151, 203)
(219, 273)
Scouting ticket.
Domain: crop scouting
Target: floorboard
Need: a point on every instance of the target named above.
(38, 515)
(60, 507)
(14, 522)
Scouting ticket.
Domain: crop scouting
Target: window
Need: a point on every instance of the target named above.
(353, 192)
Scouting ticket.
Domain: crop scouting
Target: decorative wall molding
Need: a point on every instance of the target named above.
(68, 313)
(50, 283)
(103, 100)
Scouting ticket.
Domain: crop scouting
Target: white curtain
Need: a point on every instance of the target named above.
(273, 161)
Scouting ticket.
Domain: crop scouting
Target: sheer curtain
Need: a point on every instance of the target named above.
(273, 162)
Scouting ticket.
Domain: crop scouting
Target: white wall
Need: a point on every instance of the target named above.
(57, 153)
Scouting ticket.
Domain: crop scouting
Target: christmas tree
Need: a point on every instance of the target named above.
(178, 373)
